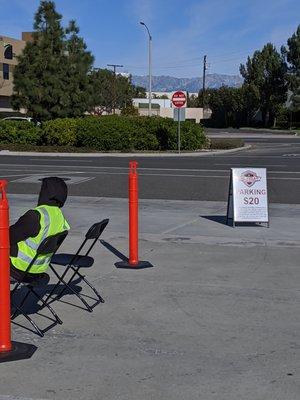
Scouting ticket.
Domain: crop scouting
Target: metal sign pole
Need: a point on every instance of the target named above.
(178, 130)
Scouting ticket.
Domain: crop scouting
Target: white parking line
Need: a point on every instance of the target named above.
(60, 159)
(123, 170)
(265, 165)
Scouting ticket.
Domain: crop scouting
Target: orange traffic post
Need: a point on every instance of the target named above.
(133, 261)
(9, 350)
(5, 336)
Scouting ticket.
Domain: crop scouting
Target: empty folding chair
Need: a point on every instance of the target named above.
(75, 262)
(47, 248)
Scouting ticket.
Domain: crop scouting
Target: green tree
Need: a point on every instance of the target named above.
(265, 72)
(125, 92)
(101, 91)
(50, 80)
(292, 54)
(226, 104)
(130, 110)
(79, 63)
(108, 90)
(139, 92)
(296, 100)
(250, 102)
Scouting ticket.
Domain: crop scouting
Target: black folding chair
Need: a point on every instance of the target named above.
(48, 247)
(73, 263)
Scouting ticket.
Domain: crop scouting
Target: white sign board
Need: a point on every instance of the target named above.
(249, 195)
(179, 114)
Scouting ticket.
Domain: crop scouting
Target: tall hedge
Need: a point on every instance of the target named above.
(106, 133)
(19, 132)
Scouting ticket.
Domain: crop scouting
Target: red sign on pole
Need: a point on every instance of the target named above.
(179, 99)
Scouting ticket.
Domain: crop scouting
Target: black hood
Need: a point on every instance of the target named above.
(54, 192)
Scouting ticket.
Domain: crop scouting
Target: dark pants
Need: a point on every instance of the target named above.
(18, 275)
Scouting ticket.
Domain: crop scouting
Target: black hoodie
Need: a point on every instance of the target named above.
(53, 192)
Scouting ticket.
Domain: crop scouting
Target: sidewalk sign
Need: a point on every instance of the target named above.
(248, 196)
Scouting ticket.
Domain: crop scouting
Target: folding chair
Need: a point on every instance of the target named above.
(73, 263)
(48, 247)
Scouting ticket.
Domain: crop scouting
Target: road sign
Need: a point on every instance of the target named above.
(179, 114)
(179, 99)
(248, 195)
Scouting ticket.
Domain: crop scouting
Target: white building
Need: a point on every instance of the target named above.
(163, 108)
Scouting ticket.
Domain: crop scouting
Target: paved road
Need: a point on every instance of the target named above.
(176, 178)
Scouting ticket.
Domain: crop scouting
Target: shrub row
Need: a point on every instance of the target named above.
(106, 133)
(19, 132)
(225, 144)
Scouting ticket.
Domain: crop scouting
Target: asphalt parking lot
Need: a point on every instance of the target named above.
(172, 178)
(216, 318)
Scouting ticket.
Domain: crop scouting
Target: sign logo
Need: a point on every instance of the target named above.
(249, 178)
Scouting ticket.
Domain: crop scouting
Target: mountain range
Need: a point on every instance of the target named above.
(193, 85)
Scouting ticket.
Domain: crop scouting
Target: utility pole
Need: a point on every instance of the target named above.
(115, 66)
(203, 87)
(150, 67)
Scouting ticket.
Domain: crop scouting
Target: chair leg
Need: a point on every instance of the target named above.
(22, 303)
(28, 319)
(92, 287)
(67, 285)
(76, 272)
(71, 279)
(58, 320)
(57, 285)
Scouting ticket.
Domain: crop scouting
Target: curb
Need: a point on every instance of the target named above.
(274, 131)
(97, 155)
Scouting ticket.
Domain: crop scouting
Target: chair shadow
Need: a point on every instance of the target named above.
(115, 251)
(32, 306)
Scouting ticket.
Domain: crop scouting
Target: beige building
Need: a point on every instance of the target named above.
(163, 108)
(9, 50)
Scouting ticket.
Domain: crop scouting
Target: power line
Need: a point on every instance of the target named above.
(185, 62)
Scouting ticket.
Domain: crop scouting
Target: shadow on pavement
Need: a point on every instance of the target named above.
(115, 251)
(220, 219)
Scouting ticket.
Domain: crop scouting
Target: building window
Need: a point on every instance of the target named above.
(8, 51)
(6, 71)
(4, 102)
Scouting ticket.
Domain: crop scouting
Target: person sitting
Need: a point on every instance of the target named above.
(33, 227)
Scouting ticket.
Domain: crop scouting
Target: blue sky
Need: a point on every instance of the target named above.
(183, 30)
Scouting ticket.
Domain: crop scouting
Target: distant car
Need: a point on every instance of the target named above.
(29, 119)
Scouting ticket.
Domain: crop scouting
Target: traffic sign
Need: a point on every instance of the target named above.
(179, 114)
(179, 99)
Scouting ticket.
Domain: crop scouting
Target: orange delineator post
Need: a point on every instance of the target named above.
(133, 214)
(9, 350)
(133, 261)
(5, 328)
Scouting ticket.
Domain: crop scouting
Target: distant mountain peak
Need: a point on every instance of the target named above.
(165, 83)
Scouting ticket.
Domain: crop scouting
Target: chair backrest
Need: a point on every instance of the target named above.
(96, 230)
(51, 244)
(93, 233)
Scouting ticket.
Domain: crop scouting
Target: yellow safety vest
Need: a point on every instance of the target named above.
(52, 222)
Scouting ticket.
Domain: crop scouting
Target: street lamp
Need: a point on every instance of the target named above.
(150, 73)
